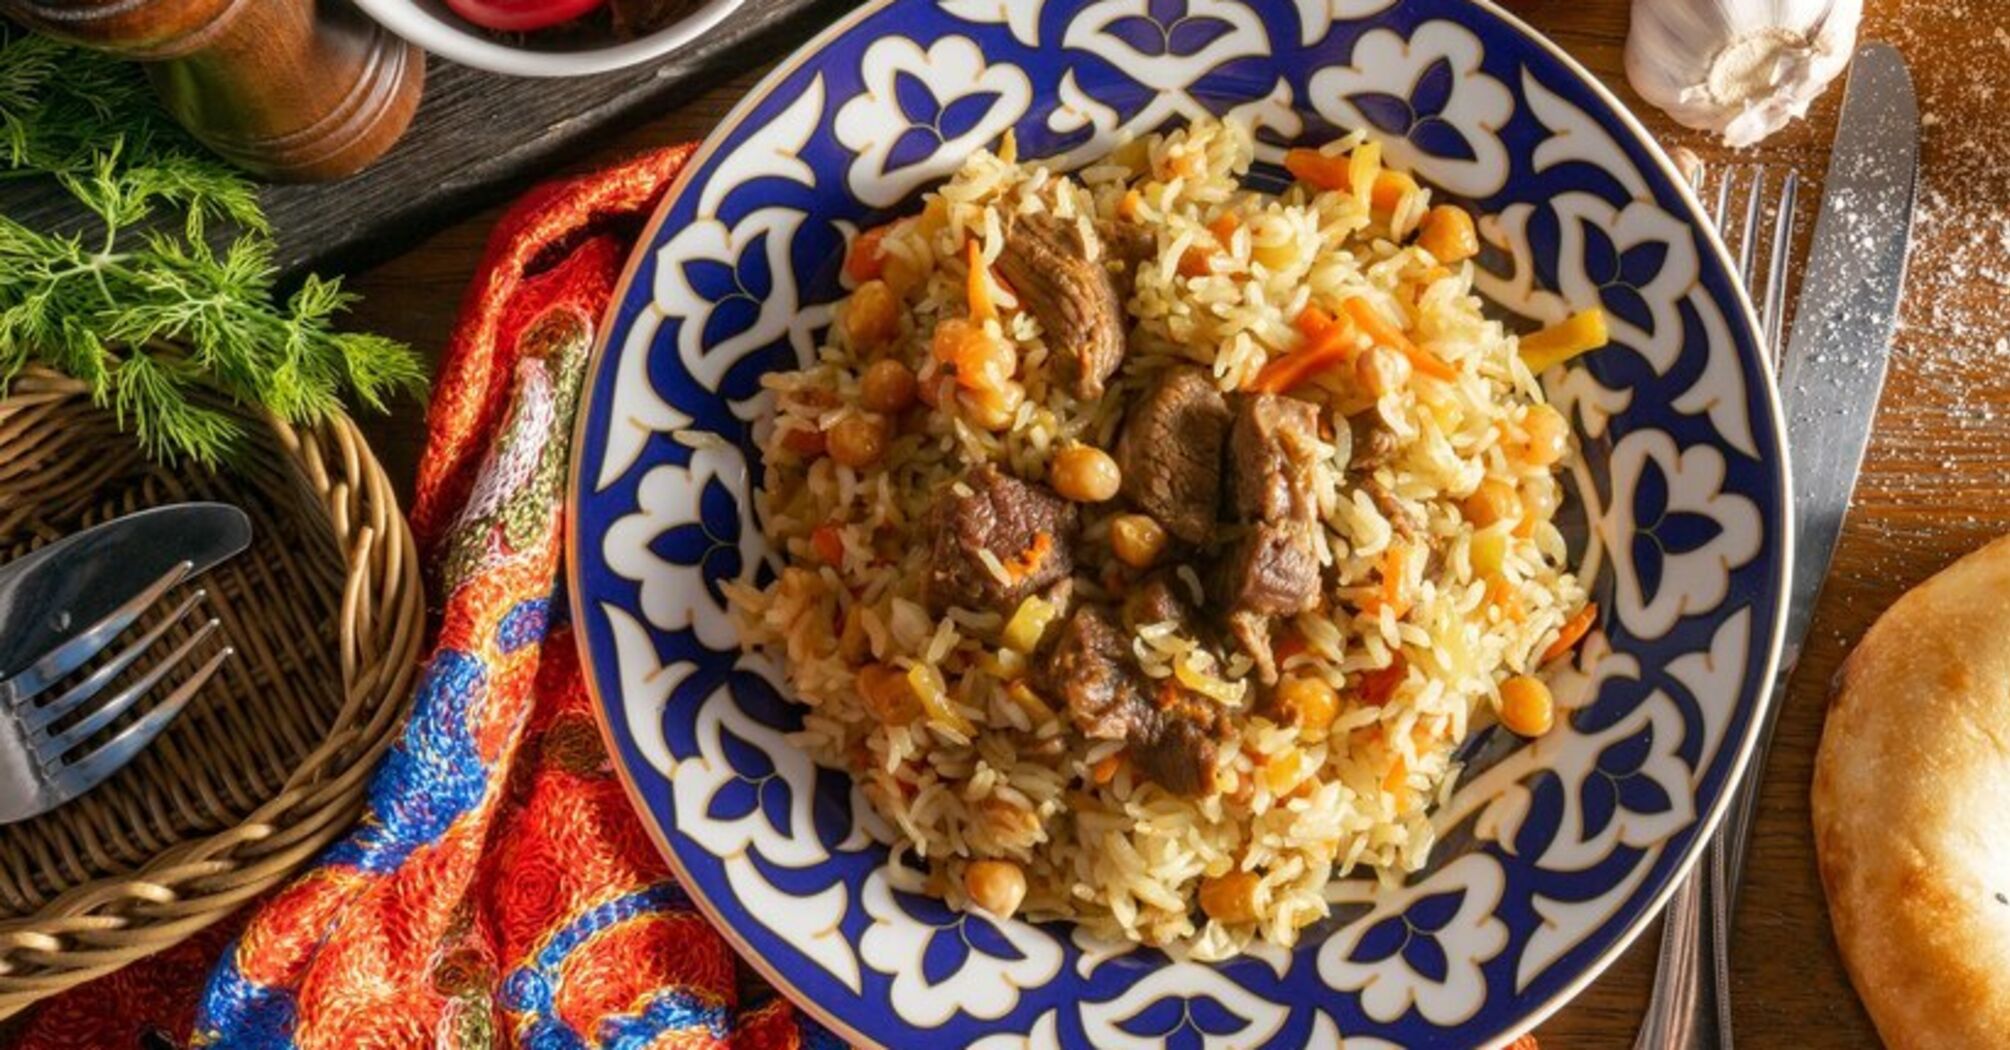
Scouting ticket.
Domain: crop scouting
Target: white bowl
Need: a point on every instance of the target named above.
(435, 27)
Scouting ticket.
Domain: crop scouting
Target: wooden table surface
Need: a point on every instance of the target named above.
(1935, 485)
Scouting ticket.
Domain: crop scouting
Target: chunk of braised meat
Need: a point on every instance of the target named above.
(1158, 598)
(1405, 519)
(1272, 571)
(1170, 452)
(1127, 246)
(1058, 274)
(1271, 452)
(1091, 668)
(1029, 529)
(1375, 445)
(1181, 750)
(1172, 735)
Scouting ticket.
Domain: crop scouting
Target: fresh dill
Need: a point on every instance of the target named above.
(167, 300)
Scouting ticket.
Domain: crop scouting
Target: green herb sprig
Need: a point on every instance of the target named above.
(149, 311)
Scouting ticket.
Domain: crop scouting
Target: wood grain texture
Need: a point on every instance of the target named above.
(1936, 482)
(294, 90)
(480, 137)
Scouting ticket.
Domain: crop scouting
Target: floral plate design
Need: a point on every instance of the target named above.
(1555, 854)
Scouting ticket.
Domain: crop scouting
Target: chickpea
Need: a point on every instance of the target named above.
(993, 409)
(872, 316)
(1527, 708)
(1448, 234)
(997, 886)
(1310, 703)
(888, 386)
(1137, 540)
(887, 695)
(1085, 474)
(1381, 370)
(1495, 500)
(1231, 898)
(858, 441)
(1545, 437)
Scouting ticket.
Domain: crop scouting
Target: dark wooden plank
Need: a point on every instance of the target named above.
(480, 137)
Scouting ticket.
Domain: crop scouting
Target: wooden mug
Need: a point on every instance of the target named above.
(295, 90)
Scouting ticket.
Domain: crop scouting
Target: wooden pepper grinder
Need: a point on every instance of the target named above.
(294, 90)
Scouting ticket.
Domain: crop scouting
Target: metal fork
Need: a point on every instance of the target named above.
(43, 761)
(1688, 989)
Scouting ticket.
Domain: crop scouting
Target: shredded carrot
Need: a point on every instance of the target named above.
(1196, 262)
(828, 543)
(1127, 208)
(1329, 342)
(1313, 322)
(1381, 331)
(1501, 595)
(1392, 595)
(1023, 564)
(979, 283)
(1224, 227)
(1389, 190)
(1105, 769)
(1571, 633)
(808, 444)
(1287, 645)
(1398, 775)
(1317, 170)
(865, 260)
(1378, 686)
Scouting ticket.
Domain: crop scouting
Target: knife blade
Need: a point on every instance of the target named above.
(59, 591)
(1830, 378)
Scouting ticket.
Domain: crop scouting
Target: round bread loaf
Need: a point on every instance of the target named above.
(1912, 810)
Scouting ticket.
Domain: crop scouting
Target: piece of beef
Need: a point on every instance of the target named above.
(1170, 453)
(1158, 598)
(1059, 275)
(1028, 528)
(1180, 753)
(1271, 451)
(1272, 571)
(1374, 443)
(1172, 734)
(1091, 668)
(1406, 520)
(1126, 246)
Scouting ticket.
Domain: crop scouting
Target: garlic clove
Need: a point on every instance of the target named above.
(1740, 68)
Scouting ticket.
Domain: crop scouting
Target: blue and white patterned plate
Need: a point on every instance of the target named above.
(1555, 854)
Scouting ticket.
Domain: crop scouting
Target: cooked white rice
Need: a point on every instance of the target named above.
(986, 774)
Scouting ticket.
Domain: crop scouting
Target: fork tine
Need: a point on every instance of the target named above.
(52, 749)
(1748, 237)
(80, 776)
(1775, 317)
(1722, 208)
(77, 651)
(35, 719)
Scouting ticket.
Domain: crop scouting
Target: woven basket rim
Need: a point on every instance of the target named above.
(99, 925)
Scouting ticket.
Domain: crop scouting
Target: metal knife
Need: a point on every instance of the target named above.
(1830, 377)
(58, 592)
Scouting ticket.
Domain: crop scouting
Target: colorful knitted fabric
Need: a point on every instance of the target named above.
(499, 891)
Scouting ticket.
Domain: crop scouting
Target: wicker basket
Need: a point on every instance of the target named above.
(268, 765)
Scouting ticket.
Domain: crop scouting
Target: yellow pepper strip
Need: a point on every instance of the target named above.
(1579, 333)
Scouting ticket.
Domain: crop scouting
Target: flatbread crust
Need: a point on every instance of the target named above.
(1912, 810)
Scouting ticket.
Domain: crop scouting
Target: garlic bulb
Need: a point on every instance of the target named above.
(1740, 68)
